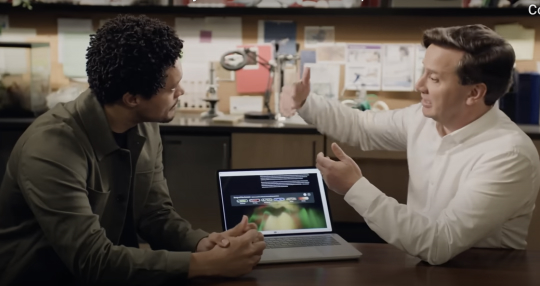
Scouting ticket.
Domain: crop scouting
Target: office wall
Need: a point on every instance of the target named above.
(391, 29)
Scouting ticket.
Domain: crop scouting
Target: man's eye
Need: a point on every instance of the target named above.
(434, 79)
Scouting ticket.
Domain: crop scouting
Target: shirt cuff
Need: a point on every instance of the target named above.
(178, 266)
(303, 111)
(362, 195)
(193, 238)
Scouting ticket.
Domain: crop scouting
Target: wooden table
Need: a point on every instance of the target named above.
(385, 265)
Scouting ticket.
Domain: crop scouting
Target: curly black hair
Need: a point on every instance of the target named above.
(130, 54)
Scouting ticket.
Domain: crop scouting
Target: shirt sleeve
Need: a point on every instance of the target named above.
(160, 225)
(369, 130)
(496, 189)
(52, 179)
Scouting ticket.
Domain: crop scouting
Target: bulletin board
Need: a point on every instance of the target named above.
(348, 29)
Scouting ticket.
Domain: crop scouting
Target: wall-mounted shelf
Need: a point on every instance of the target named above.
(244, 11)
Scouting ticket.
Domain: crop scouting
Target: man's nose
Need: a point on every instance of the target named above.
(179, 91)
(420, 85)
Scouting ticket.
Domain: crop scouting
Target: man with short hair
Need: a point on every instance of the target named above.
(473, 172)
(87, 177)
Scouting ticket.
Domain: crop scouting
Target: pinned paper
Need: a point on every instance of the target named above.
(315, 35)
(15, 60)
(324, 79)
(255, 78)
(205, 41)
(73, 41)
(521, 39)
(398, 67)
(364, 66)
(281, 32)
(244, 104)
(331, 53)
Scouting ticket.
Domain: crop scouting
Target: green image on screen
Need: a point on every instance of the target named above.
(286, 216)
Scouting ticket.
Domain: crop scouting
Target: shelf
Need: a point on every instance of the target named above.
(22, 45)
(244, 11)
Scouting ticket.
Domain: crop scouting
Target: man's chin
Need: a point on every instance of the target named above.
(167, 120)
(427, 112)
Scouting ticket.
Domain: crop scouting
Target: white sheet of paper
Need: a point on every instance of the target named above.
(71, 26)
(205, 41)
(243, 104)
(420, 53)
(15, 60)
(73, 40)
(225, 35)
(324, 79)
(365, 53)
(331, 53)
(74, 58)
(398, 67)
(521, 39)
(364, 66)
(315, 35)
(195, 82)
(358, 74)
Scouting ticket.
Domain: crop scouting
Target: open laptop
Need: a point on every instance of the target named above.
(290, 208)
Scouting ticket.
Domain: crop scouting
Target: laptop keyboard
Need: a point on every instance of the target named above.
(300, 241)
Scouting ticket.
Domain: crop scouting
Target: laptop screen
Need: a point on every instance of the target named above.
(286, 201)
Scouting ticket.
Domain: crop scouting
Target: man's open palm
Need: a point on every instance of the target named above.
(293, 96)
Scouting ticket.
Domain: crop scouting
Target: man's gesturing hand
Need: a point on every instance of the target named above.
(293, 96)
(340, 175)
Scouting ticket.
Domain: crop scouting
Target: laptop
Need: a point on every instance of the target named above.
(290, 208)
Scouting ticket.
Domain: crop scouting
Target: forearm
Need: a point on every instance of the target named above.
(107, 264)
(401, 227)
(165, 229)
(383, 130)
(469, 218)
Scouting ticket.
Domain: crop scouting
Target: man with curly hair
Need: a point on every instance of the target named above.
(87, 177)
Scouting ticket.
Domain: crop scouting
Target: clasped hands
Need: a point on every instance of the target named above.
(223, 239)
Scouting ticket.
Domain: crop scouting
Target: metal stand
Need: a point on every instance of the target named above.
(211, 97)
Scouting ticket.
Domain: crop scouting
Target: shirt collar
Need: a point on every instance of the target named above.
(94, 121)
(483, 123)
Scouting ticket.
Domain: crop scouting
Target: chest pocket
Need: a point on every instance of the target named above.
(98, 200)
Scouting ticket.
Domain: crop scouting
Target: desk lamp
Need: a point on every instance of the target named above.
(237, 59)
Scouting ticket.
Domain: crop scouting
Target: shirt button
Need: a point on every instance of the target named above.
(120, 198)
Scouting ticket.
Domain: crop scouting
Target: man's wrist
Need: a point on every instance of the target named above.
(202, 244)
(300, 104)
(200, 266)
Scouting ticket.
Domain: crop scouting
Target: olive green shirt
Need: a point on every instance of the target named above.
(63, 203)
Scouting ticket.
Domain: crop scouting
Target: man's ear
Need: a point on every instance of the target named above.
(476, 93)
(130, 100)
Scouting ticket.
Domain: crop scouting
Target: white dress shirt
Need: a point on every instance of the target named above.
(475, 187)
